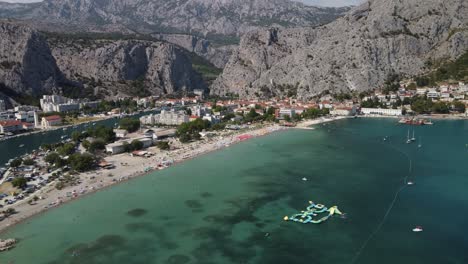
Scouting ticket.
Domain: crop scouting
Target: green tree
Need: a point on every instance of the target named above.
(16, 162)
(136, 144)
(105, 133)
(440, 108)
(76, 136)
(411, 86)
(163, 145)
(422, 81)
(19, 182)
(252, 114)
(52, 157)
(97, 144)
(66, 149)
(129, 124)
(287, 118)
(184, 138)
(29, 162)
(81, 162)
(459, 106)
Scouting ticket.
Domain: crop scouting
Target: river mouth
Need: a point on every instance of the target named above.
(228, 206)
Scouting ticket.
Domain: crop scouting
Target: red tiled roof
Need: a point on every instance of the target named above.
(8, 123)
(53, 118)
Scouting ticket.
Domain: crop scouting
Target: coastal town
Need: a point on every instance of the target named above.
(407, 99)
(171, 130)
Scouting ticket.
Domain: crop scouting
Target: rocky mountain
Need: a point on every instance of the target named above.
(32, 63)
(131, 67)
(354, 53)
(204, 17)
(217, 55)
(26, 62)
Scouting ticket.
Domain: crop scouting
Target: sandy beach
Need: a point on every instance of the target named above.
(127, 167)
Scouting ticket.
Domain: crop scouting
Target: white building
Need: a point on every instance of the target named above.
(433, 94)
(26, 108)
(120, 133)
(7, 115)
(50, 121)
(421, 91)
(211, 118)
(381, 111)
(10, 126)
(343, 111)
(25, 116)
(165, 118)
(57, 103)
(286, 112)
(2, 106)
(119, 146)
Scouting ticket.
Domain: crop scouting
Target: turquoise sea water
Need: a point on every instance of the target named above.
(228, 206)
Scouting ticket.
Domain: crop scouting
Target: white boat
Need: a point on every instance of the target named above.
(418, 229)
(304, 179)
(408, 140)
(64, 136)
(22, 145)
(419, 145)
(64, 129)
(413, 138)
(410, 183)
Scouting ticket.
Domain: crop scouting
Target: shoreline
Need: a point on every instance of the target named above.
(101, 118)
(56, 128)
(123, 173)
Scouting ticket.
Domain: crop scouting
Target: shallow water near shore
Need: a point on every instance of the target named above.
(228, 206)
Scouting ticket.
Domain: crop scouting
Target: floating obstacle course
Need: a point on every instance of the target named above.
(313, 213)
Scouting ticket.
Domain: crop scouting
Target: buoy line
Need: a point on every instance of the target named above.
(392, 204)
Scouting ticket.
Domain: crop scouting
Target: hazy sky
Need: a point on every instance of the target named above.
(311, 2)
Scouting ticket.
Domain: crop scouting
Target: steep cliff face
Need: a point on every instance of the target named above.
(133, 67)
(226, 17)
(218, 56)
(356, 52)
(26, 64)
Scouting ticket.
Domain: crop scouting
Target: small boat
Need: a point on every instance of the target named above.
(64, 129)
(64, 136)
(304, 179)
(385, 139)
(418, 229)
(410, 183)
(413, 138)
(426, 122)
(419, 145)
(408, 140)
(22, 145)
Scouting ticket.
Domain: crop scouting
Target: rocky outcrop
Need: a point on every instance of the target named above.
(356, 52)
(32, 64)
(125, 65)
(26, 63)
(7, 244)
(226, 17)
(217, 55)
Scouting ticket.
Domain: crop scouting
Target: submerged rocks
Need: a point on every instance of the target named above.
(7, 244)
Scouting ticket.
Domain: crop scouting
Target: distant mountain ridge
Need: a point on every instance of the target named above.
(202, 17)
(356, 52)
(32, 63)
